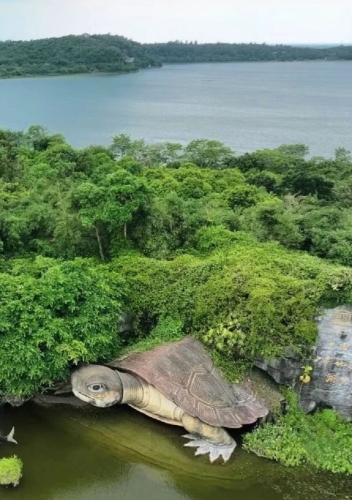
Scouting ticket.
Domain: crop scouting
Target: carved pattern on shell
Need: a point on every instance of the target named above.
(185, 373)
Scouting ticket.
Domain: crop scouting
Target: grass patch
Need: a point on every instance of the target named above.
(323, 440)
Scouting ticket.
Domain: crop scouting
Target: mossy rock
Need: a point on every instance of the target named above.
(10, 471)
(267, 391)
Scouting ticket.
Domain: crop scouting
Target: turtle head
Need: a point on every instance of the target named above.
(98, 385)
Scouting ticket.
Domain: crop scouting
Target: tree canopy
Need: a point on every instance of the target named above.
(110, 54)
(240, 250)
(188, 52)
(72, 54)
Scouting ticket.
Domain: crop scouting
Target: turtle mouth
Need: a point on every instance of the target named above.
(84, 397)
(93, 401)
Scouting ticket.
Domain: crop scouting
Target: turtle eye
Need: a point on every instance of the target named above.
(97, 387)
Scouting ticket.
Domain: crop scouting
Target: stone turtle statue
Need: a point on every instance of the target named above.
(178, 384)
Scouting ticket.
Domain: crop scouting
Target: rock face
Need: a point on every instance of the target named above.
(331, 378)
(285, 371)
(265, 390)
(13, 400)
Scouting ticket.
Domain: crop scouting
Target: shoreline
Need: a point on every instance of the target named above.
(136, 70)
(51, 75)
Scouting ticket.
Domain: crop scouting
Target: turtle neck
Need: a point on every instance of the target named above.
(132, 389)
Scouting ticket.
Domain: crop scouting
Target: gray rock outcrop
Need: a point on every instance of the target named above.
(331, 359)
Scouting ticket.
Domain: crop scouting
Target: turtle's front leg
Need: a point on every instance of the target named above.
(208, 439)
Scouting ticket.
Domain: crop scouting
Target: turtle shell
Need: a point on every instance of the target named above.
(183, 372)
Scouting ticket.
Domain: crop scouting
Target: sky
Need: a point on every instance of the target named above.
(270, 21)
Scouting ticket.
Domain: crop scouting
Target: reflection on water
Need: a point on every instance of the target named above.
(118, 453)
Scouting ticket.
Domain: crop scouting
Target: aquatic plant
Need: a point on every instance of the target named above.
(322, 440)
(10, 471)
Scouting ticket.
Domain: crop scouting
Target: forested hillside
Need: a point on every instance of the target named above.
(72, 54)
(62, 202)
(192, 237)
(180, 52)
(107, 53)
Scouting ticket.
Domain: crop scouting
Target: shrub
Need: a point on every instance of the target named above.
(10, 471)
(54, 314)
(245, 300)
(323, 440)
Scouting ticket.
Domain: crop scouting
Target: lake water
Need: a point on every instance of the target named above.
(246, 105)
(121, 454)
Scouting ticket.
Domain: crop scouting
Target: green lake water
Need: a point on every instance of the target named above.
(120, 454)
(246, 105)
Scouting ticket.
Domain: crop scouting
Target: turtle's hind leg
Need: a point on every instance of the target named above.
(208, 439)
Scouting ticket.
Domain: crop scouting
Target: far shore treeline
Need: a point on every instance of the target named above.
(111, 54)
(237, 250)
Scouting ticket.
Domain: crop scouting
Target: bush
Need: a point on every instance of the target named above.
(243, 301)
(209, 238)
(54, 314)
(323, 440)
(10, 471)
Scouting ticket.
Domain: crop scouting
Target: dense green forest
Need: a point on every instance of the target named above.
(215, 244)
(190, 52)
(110, 54)
(72, 54)
(238, 250)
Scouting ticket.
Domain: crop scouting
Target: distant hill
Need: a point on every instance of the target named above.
(111, 54)
(177, 52)
(72, 54)
(318, 45)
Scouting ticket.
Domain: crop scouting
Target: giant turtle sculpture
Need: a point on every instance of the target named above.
(178, 384)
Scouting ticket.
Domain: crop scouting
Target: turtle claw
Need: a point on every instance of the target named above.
(191, 436)
(215, 450)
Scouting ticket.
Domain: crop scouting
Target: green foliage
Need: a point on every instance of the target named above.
(53, 314)
(109, 205)
(200, 152)
(106, 53)
(10, 471)
(306, 376)
(304, 181)
(101, 202)
(188, 52)
(245, 300)
(211, 238)
(322, 440)
(205, 153)
(72, 54)
(244, 196)
(194, 229)
(298, 150)
(270, 220)
(227, 336)
(167, 329)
